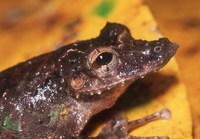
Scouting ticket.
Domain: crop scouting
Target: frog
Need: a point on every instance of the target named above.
(54, 95)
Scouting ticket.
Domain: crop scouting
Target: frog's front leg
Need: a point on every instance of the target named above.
(119, 128)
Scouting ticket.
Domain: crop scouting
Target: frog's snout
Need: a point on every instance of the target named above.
(168, 42)
(169, 47)
(175, 45)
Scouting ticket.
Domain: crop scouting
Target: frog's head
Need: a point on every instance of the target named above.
(116, 59)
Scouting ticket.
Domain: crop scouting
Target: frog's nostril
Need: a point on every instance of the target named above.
(157, 49)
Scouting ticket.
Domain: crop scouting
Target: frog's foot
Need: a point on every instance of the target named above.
(119, 128)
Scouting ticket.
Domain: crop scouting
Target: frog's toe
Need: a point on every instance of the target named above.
(115, 129)
(118, 128)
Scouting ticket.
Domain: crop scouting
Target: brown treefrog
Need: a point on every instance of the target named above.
(54, 95)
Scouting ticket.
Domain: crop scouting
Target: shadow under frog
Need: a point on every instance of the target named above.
(144, 90)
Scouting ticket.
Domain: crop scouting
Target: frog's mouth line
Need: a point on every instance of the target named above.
(103, 89)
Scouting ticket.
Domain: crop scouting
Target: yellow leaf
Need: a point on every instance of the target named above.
(42, 29)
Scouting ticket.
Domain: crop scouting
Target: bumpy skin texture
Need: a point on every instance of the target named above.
(55, 94)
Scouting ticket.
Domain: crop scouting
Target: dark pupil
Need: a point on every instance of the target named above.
(104, 58)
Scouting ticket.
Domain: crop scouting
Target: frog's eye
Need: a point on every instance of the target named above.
(77, 81)
(103, 60)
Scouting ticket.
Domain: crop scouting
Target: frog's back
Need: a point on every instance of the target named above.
(33, 94)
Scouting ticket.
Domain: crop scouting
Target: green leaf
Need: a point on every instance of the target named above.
(104, 8)
(8, 124)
